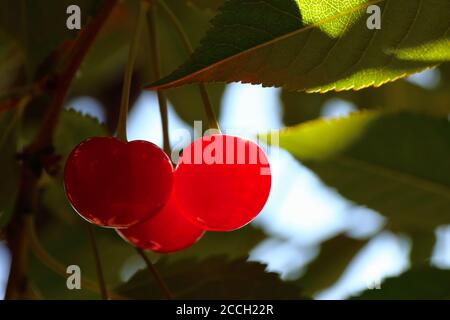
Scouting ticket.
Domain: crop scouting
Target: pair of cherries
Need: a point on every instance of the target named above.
(221, 183)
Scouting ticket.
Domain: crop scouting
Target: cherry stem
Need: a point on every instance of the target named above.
(98, 264)
(154, 272)
(128, 74)
(162, 101)
(53, 264)
(209, 111)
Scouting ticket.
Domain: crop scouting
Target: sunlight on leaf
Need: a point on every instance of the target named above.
(317, 46)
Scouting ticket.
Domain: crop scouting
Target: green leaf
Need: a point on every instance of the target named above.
(396, 164)
(63, 233)
(9, 166)
(104, 63)
(318, 45)
(423, 282)
(422, 246)
(399, 95)
(300, 106)
(10, 62)
(73, 128)
(334, 257)
(54, 200)
(186, 100)
(206, 4)
(40, 26)
(213, 278)
(70, 245)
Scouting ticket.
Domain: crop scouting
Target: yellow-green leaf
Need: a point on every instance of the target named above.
(318, 45)
(397, 164)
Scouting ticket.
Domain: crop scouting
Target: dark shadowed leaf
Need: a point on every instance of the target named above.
(422, 246)
(206, 4)
(212, 278)
(334, 257)
(300, 106)
(423, 282)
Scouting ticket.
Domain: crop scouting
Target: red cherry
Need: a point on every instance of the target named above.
(222, 182)
(167, 231)
(115, 184)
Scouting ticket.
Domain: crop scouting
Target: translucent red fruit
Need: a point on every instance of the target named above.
(115, 184)
(222, 182)
(167, 231)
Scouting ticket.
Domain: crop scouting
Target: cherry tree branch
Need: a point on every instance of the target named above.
(26, 203)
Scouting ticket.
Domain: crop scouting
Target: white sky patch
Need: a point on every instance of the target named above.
(283, 257)
(299, 207)
(144, 121)
(428, 79)
(337, 108)
(5, 261)
(441, 253)
(385, 255)
(250, 109)
(132, 265)
(89, 106)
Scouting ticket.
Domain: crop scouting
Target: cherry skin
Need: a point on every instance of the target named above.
(167, 231)
(111, 183)
(222, 182)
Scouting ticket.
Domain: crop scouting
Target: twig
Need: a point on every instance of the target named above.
(26, 204)
(53, 264)
(162, 101)
(128, 75)
(209, 111)
(18, 244)
(154, 272)
(98, 264)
